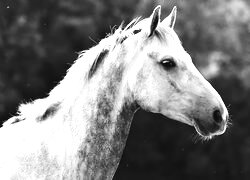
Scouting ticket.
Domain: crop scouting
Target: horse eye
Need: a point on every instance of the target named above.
(168, 63)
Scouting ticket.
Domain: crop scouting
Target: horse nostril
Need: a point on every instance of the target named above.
(217, 116)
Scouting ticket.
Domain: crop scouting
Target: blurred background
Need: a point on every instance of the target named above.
(40, 39)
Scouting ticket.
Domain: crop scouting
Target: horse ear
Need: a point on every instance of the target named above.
(170, 20)
(154, 19)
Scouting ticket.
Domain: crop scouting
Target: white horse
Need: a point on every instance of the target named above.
(79, 131)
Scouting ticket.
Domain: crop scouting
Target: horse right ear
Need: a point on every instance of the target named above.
(154, 20)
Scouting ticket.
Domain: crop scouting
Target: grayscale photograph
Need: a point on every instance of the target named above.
(124, 90)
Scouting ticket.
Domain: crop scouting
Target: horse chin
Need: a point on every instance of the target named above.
(200, 128)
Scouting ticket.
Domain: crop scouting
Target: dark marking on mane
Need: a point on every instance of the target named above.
(97, 62)
(136, 31)
(123, 39)
(50, 111)
(14, 120)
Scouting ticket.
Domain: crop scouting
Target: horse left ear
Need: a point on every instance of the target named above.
(170, 20)
(154, 19)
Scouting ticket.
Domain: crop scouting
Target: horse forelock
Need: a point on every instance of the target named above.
(164, 34)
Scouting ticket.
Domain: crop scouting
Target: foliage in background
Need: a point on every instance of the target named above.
(40, 39)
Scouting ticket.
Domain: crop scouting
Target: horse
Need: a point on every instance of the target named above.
(80, 129)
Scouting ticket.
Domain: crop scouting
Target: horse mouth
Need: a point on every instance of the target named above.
(207, 131)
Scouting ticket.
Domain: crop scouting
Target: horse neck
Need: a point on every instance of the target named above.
(108, 108)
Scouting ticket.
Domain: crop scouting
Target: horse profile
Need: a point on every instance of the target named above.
(80, 129)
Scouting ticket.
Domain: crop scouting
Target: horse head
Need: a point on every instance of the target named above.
(163, 78)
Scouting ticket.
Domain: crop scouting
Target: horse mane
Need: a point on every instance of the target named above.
(88, 62)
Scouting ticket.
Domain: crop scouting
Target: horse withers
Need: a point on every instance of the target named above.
(79, 131)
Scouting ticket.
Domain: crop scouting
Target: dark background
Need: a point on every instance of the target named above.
(39, 39)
